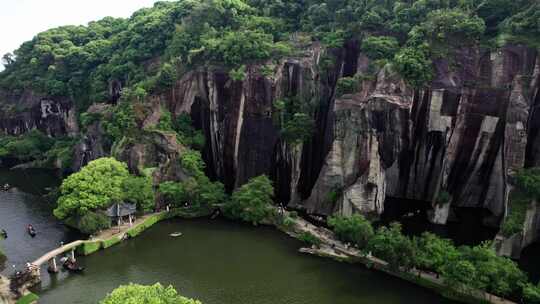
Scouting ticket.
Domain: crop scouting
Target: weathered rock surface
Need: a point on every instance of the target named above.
(464, 134)
(20, 113)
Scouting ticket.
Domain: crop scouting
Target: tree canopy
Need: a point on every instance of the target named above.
(252, 202)
(141, 294)
(98, 185)
(79, 61)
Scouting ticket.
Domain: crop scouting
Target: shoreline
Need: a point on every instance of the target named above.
(330, 247)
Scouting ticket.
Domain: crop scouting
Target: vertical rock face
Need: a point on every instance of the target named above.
(241, 127)
(477, 122)
(20, 113)
(463, 135)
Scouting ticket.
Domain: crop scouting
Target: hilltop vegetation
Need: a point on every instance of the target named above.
(148, 51)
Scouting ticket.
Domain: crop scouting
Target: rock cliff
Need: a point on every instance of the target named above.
(464, 135)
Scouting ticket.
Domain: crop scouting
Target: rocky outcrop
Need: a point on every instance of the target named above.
(20, 113)
(92, 144)
(512, 246)
(464, 134)
(242, 128)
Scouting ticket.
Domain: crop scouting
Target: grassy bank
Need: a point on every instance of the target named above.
(28, 299)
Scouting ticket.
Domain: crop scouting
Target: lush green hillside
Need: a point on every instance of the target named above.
(150, 49)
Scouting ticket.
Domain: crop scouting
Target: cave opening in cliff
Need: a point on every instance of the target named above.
(465, 225)
(529, 262)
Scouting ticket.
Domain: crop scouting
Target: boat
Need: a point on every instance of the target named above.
(72, 266)
(31, 231)
(176, 234)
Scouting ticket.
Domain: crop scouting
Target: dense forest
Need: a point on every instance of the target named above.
(148, 51)
(146, 54)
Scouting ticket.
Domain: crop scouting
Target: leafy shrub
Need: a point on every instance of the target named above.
(298, 129)
(434, 252)
(355, 229)
(192, 162)
(414, 65)
(134, 293)
(139, 191)
(121, 122)
(309, 238)
(89, 118)
(238, 74)
(528, 180)
(187, 133)
(518, 202)
(25, 147)
(93, 222)
(165, 122)
(380, 47)
(391, 245)
(346, 85)
(531, 293)
(252, 202)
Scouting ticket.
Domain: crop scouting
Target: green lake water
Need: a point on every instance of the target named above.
(220, 262)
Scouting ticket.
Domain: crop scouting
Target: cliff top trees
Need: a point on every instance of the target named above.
(79, 61)
(140, 294)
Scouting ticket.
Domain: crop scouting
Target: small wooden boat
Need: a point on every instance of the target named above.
(31, 231)
(72, 267)
(176, 234)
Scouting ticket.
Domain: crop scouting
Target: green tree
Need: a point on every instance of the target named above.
(528, 180)
(121, 122)
(531, 293)
(391, 245)
(380, 47)
(96, 186)
(92, 222)
(140, 294)
(298, 129)
(355, 229)
(252, 202)
(414, 65)
(460, 275)
(192, 161)
(434, 252)
(139, 190)
(498, 275)
(29, 146)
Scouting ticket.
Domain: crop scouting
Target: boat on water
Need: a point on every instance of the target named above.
(176, 234)
(31, 231)
(72, 266)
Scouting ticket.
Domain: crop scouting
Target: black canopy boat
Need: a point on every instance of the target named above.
(31, 231)
(72, 266)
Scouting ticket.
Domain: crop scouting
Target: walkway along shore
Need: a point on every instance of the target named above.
(330, 247)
